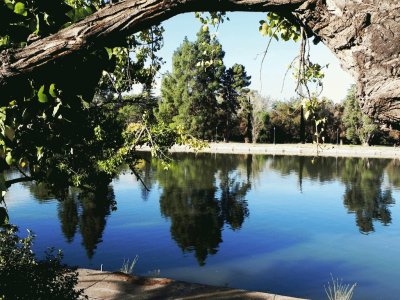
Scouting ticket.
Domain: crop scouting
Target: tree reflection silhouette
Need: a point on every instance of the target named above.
(233, 204)
(96, 206)
(392, 171)
(86, 210)
(363, 179)
(68, 216)
(364, 195)
(196, 207)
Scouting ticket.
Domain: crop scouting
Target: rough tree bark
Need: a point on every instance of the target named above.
(364, 35)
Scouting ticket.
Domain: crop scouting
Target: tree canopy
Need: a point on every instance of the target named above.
(200, 93)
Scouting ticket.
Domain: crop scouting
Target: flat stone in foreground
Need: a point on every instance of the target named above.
(107, 285)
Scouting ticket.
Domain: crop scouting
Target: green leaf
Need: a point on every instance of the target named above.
(42, 97)
(109, 52)
(10, 133)
(9, 159)
(40, 152)
(20, 9)
(37, 28)
(9, 4)
(264, 29)
(4, 40)
(52, 90)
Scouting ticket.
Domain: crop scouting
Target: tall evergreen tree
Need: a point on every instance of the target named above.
(189, 92)
(359, 127)
(234, 88)
(176, 87)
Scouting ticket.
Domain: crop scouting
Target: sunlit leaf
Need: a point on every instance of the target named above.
(9, 159)
(42, 97)
(52, 90)
(109, 52)
(20, 9)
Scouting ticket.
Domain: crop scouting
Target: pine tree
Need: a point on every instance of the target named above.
(234, 88)
(189, 92)
(176, 87)
(359, 127)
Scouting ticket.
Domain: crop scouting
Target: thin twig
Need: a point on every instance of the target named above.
(266, 51)
(22, 172)
(287, 71)
(139, 178)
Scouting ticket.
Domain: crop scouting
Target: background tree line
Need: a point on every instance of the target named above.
(213, 102)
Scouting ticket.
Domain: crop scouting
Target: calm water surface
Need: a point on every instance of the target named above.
(278, 224)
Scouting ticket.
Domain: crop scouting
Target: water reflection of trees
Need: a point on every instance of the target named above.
(83, 210)
(392, 171)
(363, 178)
(320, 169)
(364, 194)
(200, 196)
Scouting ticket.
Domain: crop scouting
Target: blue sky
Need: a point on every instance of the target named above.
(243, 44)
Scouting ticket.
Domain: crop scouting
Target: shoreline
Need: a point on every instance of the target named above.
(116, 285)
(296, 149)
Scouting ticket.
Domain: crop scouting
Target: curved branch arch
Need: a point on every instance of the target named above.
(364, 35)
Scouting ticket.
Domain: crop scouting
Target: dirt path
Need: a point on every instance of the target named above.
(298, 149)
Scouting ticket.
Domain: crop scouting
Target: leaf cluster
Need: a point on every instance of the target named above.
(22, 21)
(278, 27)
(60, 128)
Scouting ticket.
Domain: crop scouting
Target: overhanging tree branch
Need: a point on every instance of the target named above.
(110, 25)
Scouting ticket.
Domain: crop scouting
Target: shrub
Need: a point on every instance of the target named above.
(22, 276)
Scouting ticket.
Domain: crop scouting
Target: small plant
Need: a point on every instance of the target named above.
(339, 291)
(128, 268)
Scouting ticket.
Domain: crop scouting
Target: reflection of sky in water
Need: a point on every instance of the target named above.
(296, 234)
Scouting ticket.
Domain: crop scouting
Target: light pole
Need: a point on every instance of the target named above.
(216, 134)
(274, 135)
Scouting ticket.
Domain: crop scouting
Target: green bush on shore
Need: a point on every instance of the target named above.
(23, 276)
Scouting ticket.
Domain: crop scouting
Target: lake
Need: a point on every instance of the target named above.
(280, 224)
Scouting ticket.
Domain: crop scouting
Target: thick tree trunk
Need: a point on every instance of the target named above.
(364, 35)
